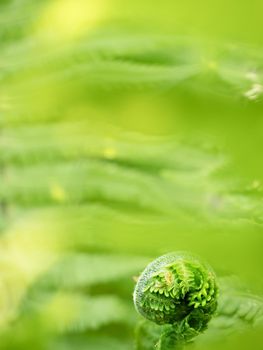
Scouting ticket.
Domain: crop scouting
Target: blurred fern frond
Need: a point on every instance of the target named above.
(87, 197)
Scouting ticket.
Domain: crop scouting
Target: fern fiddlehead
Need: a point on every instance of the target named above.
(179, 293)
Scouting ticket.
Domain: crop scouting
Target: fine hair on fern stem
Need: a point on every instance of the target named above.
(179, 293)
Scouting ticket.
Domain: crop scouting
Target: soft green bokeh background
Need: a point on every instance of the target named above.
(128, 129)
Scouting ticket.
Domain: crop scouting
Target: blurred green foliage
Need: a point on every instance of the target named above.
(128, 130)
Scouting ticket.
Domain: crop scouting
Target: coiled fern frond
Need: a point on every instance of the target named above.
(179, 291)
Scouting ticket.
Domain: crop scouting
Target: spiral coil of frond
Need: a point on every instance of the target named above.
(179, 290)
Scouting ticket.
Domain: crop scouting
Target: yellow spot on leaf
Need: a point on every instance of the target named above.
(69, 19)
(212, 65)
(58, 193)
(168, 277)
(110, 153)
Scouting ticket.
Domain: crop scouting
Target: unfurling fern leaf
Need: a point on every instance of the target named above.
(179, 293)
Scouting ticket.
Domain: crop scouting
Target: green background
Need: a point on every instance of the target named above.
(128, 129)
